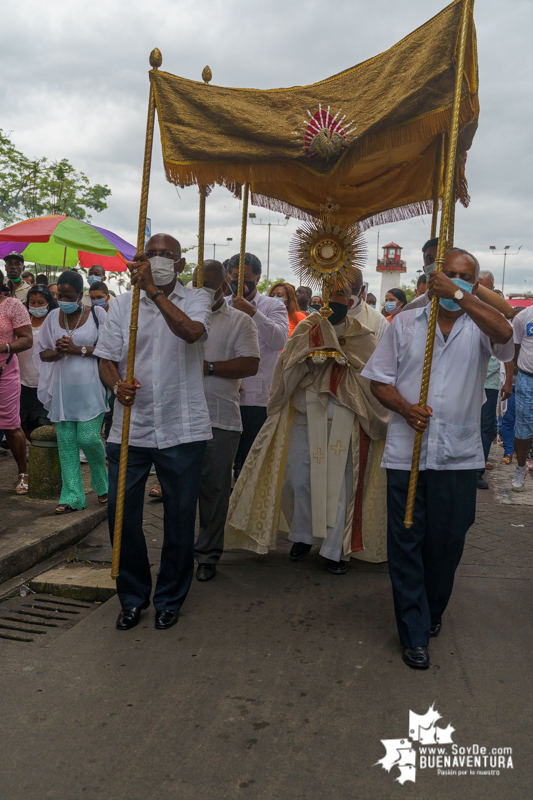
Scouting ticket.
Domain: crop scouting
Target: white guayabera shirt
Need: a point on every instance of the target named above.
(458, 373)
(170, 407)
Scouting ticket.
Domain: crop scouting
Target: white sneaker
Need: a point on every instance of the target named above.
(83, 458)
(519, 479)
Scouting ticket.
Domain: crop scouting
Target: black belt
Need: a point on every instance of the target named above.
(529, 374)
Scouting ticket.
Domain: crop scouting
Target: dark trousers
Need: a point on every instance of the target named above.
(507, 427)
(253, 418)
(488, 422)
(215, 488)
(178, 470)
(423, 559)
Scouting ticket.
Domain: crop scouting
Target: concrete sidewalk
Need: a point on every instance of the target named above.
(30, 530)
(279, 681)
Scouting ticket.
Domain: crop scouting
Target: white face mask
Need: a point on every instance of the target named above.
(163, 271)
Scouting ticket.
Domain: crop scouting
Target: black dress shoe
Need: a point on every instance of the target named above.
(481, 483)
(300, 550)
(129, 617)
(435, 628)
(416, 657)
(165, 619)
(205, 572)
(337, 567)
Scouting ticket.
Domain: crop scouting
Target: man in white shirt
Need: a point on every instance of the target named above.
(272, 322)
(231, 354)
(366, 315)
(170, 425)
(423, 559)
(523, 340)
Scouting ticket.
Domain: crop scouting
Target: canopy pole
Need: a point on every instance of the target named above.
(201, 240)
(437, 178)
(451, 224)
(447, 207)
(155, 62)
(245, 195)
(64, 257)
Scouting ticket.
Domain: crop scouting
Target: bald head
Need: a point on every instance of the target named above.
(162, 244)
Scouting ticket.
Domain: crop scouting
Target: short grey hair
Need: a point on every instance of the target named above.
(461, 252)
(486, 275)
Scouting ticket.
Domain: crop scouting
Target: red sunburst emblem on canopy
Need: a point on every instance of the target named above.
(325, 135)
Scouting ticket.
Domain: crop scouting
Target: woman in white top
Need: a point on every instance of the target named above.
(71, 390)
(39, 303)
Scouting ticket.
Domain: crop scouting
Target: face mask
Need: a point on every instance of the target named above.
(102, 302)
(315, 307)
(38, 311)
(356, 299)
(249, 287)
(429, 268)
(339, 313)
(67, 307)
(93, 279)
(451, 305)
(16, 280)
(371, 305)
(211, 293)
(391, 307)
(163, 271)
(282, 300)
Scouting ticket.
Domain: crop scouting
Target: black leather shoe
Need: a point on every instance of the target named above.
(337, 567)
(300, 550)
(482, 483)
(165, 619)
(416, 657)
(205, 572)
(435, 629)
(130, 617)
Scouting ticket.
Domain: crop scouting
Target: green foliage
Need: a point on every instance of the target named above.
(33, 188)
(409, 289)
(261, 286)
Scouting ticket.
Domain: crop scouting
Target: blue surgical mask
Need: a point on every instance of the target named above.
(429, 268)
(67, 307)
(38, 311)
(102, 302)
(93, 279)
(282, 300)
(391, 307)
(451, 305)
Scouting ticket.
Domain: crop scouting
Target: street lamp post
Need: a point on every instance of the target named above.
(215, 245)
(505, 253)
(278, 224)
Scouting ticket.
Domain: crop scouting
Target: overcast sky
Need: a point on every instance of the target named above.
(75, 86)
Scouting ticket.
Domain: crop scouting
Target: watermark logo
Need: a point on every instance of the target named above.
(431, 746)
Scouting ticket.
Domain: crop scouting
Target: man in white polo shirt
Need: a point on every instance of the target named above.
(231, 353)
(523, 340)
(423, 558)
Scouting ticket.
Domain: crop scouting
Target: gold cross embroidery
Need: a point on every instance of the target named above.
(338, 448)
(319, 455)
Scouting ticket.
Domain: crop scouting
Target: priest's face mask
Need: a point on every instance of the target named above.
(339, 302)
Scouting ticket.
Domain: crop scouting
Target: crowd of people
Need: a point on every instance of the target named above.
(263, 415)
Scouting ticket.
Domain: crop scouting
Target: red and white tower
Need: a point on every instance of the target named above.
(391, 267)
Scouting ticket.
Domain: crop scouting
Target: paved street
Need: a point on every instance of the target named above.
(279, 681)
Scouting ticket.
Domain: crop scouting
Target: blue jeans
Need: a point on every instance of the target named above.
(178, 470)
(507, 427)
(488, 422)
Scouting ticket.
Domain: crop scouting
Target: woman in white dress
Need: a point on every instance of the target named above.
(71, 390)
(39, 303)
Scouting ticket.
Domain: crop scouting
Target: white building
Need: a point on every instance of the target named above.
(391, 267)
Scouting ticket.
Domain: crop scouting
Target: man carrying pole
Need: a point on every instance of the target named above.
(170, 425)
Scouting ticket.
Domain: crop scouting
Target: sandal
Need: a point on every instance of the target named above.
(102, 498)
(22, 485)
(506, 460)
(489, 465)
(156, 492)
(64, 508)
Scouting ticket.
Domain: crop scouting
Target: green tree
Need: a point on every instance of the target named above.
(409, 289)
(33, 188)
(261, 286)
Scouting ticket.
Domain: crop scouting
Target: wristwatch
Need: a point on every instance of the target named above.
(458, 295)
(84, 351)
(211, 367)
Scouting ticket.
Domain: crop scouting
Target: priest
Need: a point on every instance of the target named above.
(316, 460)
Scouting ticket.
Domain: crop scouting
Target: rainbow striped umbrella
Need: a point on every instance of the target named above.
(61, 241)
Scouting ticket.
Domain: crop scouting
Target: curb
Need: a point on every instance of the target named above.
(28, 555)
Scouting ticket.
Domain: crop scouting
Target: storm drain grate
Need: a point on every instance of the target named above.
(39, 618)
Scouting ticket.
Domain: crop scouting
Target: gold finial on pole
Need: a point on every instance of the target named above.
(201, 239)
(207, 75)
(155, 61)
(245, 195)
(447, 205)
(437, 178)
